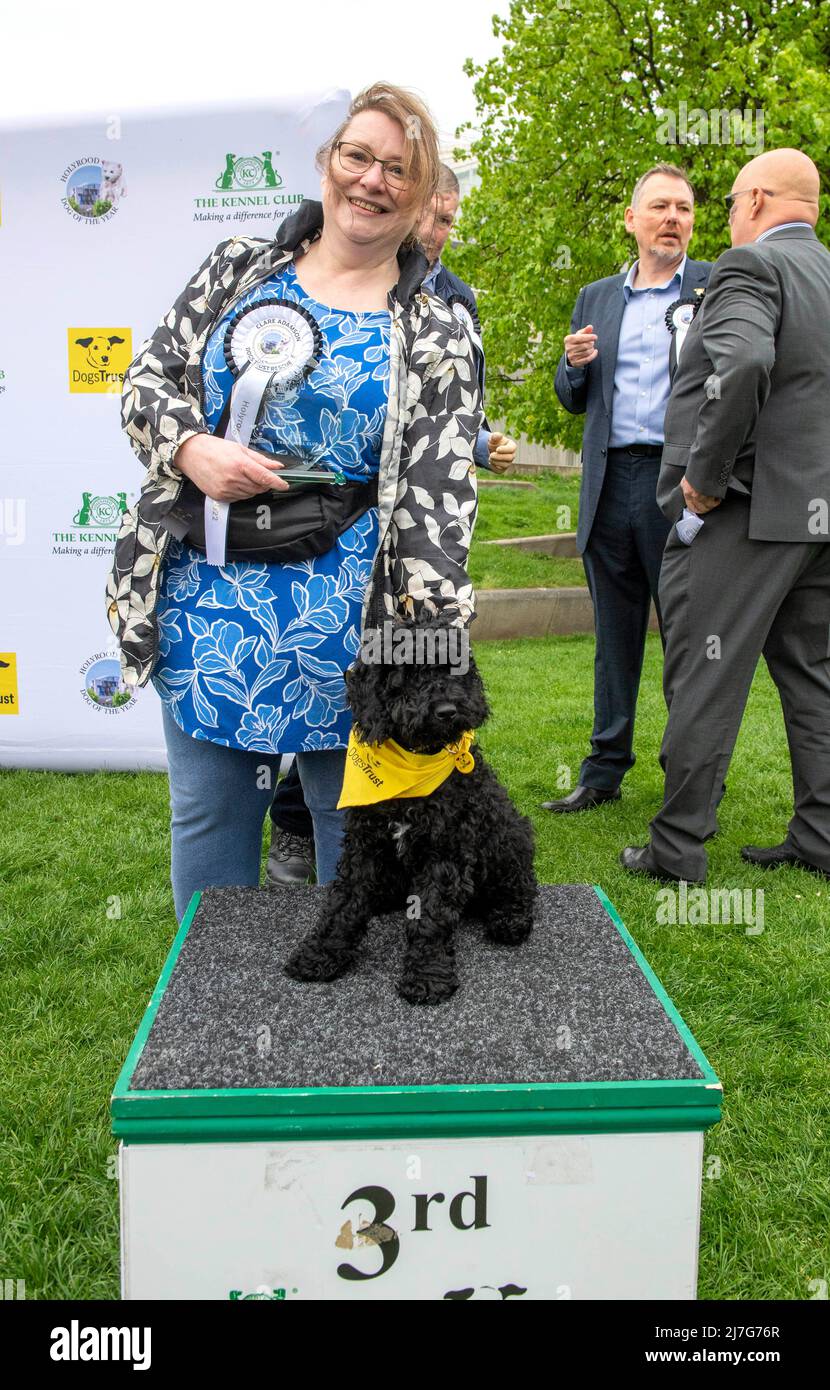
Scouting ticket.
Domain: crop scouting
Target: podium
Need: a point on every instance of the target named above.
(537, 1136)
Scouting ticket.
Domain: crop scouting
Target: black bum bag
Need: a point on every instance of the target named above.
(276, 527)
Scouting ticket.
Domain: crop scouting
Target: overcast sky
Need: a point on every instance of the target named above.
(63, 61)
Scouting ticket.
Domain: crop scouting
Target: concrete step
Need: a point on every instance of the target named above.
(561, 543)
(505, 482)
(506, 613)
(540, 469)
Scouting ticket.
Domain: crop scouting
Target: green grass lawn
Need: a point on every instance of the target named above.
(75, 977)
(549, 508)
(500, 568)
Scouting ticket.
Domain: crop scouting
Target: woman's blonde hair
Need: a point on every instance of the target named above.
(420, 158)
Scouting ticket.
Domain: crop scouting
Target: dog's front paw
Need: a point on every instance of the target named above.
(432, 985)
(508, 930)
(312, 961)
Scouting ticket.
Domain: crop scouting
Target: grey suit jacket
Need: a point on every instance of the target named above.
(750, 404)
(601, 303)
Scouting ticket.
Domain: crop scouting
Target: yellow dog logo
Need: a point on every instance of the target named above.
(99, 348)
(98, 358)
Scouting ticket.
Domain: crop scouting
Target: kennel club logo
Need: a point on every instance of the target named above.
(103, 688)
(262, 1293)
(9, 699)
(93, 189)
(98, 359)
(249, 171)
(95, 525)
(248, 186)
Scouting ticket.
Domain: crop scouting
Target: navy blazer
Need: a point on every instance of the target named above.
(450, 287)
(601, 303)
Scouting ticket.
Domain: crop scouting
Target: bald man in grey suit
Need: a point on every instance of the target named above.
(747, 453)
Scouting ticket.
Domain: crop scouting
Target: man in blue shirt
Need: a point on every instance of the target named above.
(616, 371)
(746, 457)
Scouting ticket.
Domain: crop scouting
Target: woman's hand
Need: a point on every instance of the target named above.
(502, 452)
(225, 470)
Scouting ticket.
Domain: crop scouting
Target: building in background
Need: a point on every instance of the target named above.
(465, 170)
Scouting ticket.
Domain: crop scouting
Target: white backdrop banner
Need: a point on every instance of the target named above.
(101, 225)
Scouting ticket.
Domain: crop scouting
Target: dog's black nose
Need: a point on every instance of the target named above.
(446, 709)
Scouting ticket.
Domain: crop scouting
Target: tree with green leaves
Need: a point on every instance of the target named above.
(586, 95)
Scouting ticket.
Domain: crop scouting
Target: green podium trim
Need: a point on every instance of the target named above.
(373, 1112)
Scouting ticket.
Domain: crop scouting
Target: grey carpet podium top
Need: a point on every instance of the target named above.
(570, 1005)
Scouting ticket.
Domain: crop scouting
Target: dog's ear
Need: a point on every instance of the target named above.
(364, 690)
(358, 680)
(83, 342)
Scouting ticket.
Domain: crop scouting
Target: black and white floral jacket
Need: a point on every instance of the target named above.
(426, 486)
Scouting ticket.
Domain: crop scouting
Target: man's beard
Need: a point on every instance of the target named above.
(667, 253)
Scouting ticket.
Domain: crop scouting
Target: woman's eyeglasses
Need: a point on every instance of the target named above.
(356, 159)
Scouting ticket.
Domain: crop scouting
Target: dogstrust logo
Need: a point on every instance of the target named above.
(93, 189)
(9, 699)
(248, 187)
(103, 688)
(95, 525)
(702, 907)
(391, 645)
(98, 359)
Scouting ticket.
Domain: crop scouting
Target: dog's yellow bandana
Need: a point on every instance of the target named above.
(385, 771)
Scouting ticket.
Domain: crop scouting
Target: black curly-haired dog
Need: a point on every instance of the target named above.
(463, 849)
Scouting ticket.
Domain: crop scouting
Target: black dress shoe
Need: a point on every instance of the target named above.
(581, 799)
(291, 861)
(641, 861)
(777, 855)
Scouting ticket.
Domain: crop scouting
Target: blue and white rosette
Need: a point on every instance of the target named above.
(465, 312)
(270, 348)
(679, 318)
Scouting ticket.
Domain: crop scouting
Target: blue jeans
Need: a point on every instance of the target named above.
(219, 798)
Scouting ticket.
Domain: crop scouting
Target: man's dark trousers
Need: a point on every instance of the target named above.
(289, 811)
(771, 598)
(622, 564)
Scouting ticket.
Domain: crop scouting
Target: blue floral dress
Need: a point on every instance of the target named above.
(252, 655)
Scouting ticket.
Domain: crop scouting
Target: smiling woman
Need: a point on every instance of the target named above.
(316, 350)
(378, 174)
(410, 163)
